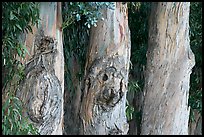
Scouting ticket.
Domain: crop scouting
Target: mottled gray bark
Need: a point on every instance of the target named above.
(106, 75)
(42, 88)
(169, 64)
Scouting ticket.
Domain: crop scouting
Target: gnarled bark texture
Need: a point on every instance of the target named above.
(106, 75)
(169, 64)
(42, 89)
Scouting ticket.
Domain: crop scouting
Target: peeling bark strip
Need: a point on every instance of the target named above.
(169, 64)
(41, 89)
(106, 75)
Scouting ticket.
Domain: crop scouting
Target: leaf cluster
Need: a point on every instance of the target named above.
(91, 11)
(78, 17)
(13, 123)
(17, 17)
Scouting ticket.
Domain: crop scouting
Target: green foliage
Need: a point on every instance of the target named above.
(91, 11)
(133, 111)
(195, 22)
(134, 90)
(78, 17)
(129, 111)
(133, 86)
(13, 123)
(138, 22)
(134, 6)
(17, 18)
(75, 52)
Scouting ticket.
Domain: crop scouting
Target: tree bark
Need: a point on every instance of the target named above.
(43, 86)
(195, 127)
(106, 75)
(169, 64)
(72, 99)
(74, 67)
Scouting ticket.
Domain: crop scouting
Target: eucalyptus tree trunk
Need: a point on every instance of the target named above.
(74, 67)
(195, 127)
(43, 85)
(106, 75)
(169, 64)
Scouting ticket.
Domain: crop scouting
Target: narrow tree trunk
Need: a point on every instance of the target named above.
(73, 73)
(72, 98)
(106, 75)
(169, 64)
(43, 87)
(198, 129)
(195, 127)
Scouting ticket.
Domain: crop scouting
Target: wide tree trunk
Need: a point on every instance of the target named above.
(169, 64)
(106, 75)
(43, 86)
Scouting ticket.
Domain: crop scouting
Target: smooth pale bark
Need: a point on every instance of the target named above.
(106, 75)
(43, 87)
(169, 64)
